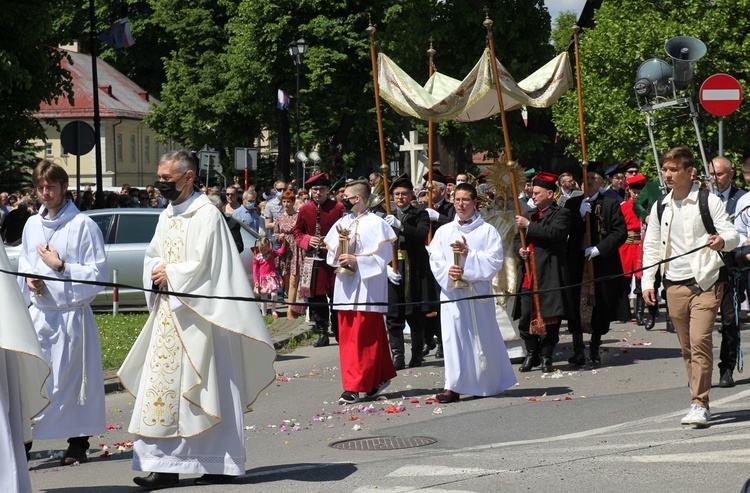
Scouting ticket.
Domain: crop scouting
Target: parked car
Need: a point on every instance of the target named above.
(127, 233)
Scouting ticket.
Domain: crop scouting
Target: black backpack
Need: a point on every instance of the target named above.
(708, 221)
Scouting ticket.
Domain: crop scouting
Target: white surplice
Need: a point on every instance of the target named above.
(64, 321)
(22, 375)
(371, 242)
(199, 364)
(476, 360)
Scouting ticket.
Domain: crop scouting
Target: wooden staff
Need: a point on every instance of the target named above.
(588, 298)
(383, 166)
(537, 323)
(430, 136)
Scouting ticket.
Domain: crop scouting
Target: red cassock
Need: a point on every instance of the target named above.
(631, 252)
(330, 212)
(363, 349)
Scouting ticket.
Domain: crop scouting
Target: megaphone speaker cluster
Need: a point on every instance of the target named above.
(655, 76)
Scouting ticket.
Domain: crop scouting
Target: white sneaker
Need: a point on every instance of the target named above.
(697, 415)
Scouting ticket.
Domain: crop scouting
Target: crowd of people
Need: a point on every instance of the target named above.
(365, 269)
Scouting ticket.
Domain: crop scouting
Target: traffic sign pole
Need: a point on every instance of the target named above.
(721, 136)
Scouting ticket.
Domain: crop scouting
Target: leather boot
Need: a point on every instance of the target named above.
(594, 355)
(322, 337)
(396, 342)
(532, 360)
(27, 446)
(578, 358)
(417, 343)
(547, 364)
(640, 308)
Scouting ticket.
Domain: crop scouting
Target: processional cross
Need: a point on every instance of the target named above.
(414, 148)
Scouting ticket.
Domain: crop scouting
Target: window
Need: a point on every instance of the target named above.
(136, 228)
(147, 148)
(132, 148)
(118, 149)
(48, 149)
(156, 152)
(103, 221)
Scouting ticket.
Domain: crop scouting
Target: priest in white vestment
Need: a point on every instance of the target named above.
(362, 278)
(22, 375)
(476, 360)
(64, 244)
(199, 363)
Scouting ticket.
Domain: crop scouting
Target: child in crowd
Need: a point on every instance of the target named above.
(265, 274)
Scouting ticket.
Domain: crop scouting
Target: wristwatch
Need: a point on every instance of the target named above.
(62, 267)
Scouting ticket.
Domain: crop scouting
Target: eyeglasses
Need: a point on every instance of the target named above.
(631, 172)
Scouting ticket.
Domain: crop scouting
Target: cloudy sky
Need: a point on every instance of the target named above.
(555, 7)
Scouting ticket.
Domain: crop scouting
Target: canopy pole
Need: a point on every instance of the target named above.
(430, 137)
(383, 165)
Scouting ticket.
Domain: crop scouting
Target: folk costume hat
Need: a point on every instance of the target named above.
(436, 176)
(545, 180)
(636, 181)
(319, 180)
(401, 181)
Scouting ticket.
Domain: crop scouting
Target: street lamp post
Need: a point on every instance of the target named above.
(297, 49)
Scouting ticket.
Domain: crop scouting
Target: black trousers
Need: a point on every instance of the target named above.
(730, 328)
(543, 345)
(320, 313)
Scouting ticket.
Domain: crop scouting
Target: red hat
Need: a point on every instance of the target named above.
(321, 180)
(545, 180)
(482, 176)
(635, 181)
(450, 179)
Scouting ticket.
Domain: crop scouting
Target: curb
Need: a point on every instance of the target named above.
(300, 332)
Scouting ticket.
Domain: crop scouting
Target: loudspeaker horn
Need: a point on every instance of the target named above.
(652, 78)
(684, 51)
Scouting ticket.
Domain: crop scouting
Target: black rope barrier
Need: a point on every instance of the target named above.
(373, 303)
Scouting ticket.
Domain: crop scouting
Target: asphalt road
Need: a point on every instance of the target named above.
(615, 429)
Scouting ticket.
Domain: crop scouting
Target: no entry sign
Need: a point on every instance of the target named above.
(721, 94)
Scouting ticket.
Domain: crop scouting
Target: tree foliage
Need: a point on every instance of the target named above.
(236, 58)
(30, 70)
(629, 32)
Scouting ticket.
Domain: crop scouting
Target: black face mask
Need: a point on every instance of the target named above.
(348, 205)
(168, 189)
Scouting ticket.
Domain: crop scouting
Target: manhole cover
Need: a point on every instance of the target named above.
(383, 443)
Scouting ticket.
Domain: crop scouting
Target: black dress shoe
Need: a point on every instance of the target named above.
(399, 363)
(532, 360)
(447, 396)
(74, 455)
(726, 380)
(214, 479)
(578, 359)
(415, 362)
(547, 364)
(322, 341)
(439, 352)
(595, 357)
(429, 346)
(158, 480)
(648, 321)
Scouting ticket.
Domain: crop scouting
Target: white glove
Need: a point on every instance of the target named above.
(585, 207)
(394, 277)
(434, 215)
(392, 221)
(591, 252)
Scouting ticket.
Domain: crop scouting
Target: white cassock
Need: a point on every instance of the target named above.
(199, 364)
(476, 361)
(506, 280)
(64, 321)
(22, 375)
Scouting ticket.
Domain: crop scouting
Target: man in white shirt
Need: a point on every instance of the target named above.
(692, 278)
